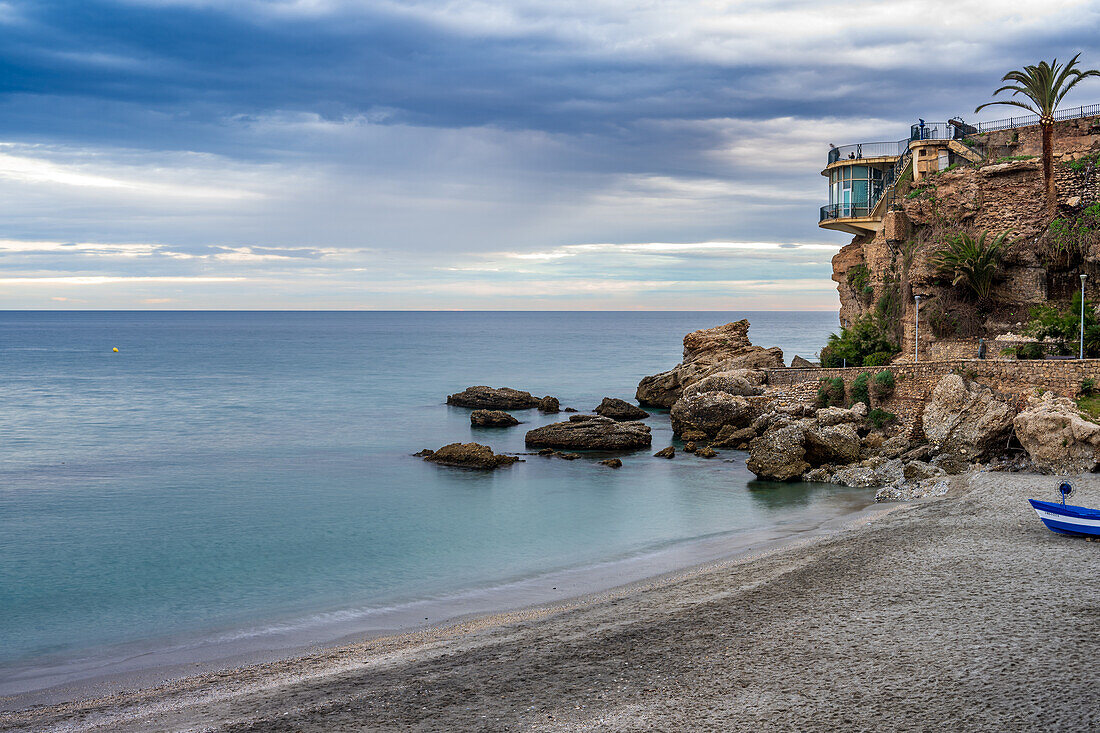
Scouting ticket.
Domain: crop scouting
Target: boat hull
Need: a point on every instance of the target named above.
(1069, 520)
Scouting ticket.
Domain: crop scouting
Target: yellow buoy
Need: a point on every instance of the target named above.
(115, 349)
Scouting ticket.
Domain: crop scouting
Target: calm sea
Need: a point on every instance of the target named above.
(231, 477)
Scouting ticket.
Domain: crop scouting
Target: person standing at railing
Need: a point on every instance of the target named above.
(920, 126)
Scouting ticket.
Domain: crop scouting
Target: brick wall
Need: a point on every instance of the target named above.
(1016, 380)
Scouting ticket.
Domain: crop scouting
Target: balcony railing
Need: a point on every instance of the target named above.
(868, 150)
(939, 131)
(1070, 113)
(879, 189)
(845, 211)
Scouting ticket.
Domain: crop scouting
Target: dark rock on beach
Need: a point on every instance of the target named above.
(492, 419)
(669, 452)
(469, 455)
(593, 433)
(493, 398)
(622, 410)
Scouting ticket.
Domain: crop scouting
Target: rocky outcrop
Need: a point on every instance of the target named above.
(831, 444)
(549, 404)
(966, 418)
(709, 412)
(707, 352)
(1056, 437)
(743, 382)
(490, 398)
(492, 419)
(669, 452)
(469, 455)
(799, 363)
(594, 433)
(622, 410)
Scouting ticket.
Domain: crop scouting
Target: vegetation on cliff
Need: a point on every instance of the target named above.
(971, 263)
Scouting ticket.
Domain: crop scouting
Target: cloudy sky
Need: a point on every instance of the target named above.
(481, 154)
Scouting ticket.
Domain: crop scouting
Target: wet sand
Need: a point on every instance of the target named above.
(962, 613)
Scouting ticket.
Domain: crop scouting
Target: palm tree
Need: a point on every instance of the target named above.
(971, 262)
(1045, 85)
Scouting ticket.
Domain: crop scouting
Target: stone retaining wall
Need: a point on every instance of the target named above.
(914, 382)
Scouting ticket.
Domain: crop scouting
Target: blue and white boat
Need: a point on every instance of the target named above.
(1068, 519)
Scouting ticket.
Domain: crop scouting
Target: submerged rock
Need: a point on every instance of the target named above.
(594, 433)
(708, 351)
(492, 419)
(1057, 437)
(469, 455)
(669, 452)
(493, 398)
(622, 410)
(612, 463)
(966, 418)
(706, 452)
(424, 453)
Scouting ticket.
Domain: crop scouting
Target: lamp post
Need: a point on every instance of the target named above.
(1081, 352)
(916, 330)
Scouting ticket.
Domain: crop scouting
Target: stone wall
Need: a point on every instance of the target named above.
(914, 382)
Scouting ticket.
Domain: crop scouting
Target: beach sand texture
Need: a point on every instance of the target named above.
(963, 613)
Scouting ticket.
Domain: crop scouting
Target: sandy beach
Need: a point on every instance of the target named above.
(961, 613)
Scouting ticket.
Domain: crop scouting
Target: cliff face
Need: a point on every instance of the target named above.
(1002, 194)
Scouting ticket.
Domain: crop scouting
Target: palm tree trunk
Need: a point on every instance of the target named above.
(1047, 129)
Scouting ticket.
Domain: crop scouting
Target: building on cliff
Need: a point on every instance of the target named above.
(902, 200)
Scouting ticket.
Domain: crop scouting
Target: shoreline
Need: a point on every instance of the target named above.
(132, 667)
(962, 610)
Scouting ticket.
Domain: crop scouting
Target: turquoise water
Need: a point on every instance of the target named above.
(237, 471)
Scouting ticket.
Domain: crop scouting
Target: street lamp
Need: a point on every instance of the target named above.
(1081, 353)
(916, 330)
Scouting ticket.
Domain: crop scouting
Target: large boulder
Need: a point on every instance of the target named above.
(493, 398)
(710, 412)
(492, 419)
(744, 382)
(617, 409)
(706, 352)
(549, 404)
(469, 455)
(967, 418)
(837, 444)
(595, 433)
(779, 455)
(1057, 437)
(857, 413)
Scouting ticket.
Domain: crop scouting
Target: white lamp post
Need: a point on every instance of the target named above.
(916, 330)
(1081, 352)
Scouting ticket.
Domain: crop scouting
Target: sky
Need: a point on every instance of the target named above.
(467, 154)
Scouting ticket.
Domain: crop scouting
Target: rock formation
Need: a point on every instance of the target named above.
(469, 455)
(594, 433)
(669, 452)
(709, 412)
(549, 404)
(492, 419)
(708, 351)
(489, 398)
(1056, 437)
(967, 419)
(612, 463)
(779, 455)
(622, 410)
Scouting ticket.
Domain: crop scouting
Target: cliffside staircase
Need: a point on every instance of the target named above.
(887, 195)
(962, 150)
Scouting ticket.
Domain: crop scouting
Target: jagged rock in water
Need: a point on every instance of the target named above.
(799, 363)
(730, 437)
(597, 433)
(492, 419)
(779, 455)
(831, 444)
(549, 404)
(744, 382)
(967, 419)
(570, 409)
(710, 412)
(569, 456)
(612, 463)
(707, 352)
(689, 447)
(669, 452)
(469, 455)
(424, 453)
(493, 398)
(692, 434)
(706, 452)
(1057, 437)
(621, 410)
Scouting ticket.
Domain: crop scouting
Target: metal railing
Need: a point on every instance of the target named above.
(937, 131)
(868, 150)
(1070, 113)
(879, 190)
(845, 211)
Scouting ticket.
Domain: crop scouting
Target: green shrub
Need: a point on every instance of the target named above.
(879, 358)
(1088, 386)
(882, 386)
(859, 391)
(1029, 351)
(971, 263)
(880, 417)
(866, 338)
(1063, 327)
(830, 392)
